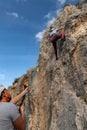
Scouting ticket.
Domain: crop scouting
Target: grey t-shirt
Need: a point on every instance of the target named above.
(8, 114)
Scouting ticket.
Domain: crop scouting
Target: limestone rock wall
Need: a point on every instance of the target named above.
(58, 99)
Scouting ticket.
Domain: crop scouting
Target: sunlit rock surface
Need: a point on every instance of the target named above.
(58, 98)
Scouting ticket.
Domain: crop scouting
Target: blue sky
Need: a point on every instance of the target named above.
(22, 25)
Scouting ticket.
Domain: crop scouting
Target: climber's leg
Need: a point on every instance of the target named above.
(55, 49)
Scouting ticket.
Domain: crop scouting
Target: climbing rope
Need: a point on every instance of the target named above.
(27, 110)
(26, 98)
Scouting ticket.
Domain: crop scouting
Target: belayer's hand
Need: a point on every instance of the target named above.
(22, 108)
(26, 90)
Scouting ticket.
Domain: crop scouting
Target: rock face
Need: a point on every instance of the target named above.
(58, 98)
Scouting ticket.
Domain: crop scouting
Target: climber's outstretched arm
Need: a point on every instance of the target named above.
(19, 96)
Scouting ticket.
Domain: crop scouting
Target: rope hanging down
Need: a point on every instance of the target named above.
(26, 98)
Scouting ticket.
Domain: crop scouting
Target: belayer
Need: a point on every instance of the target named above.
(56, 34)
(10, 118)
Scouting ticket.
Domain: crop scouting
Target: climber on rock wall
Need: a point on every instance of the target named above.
(56, 34)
